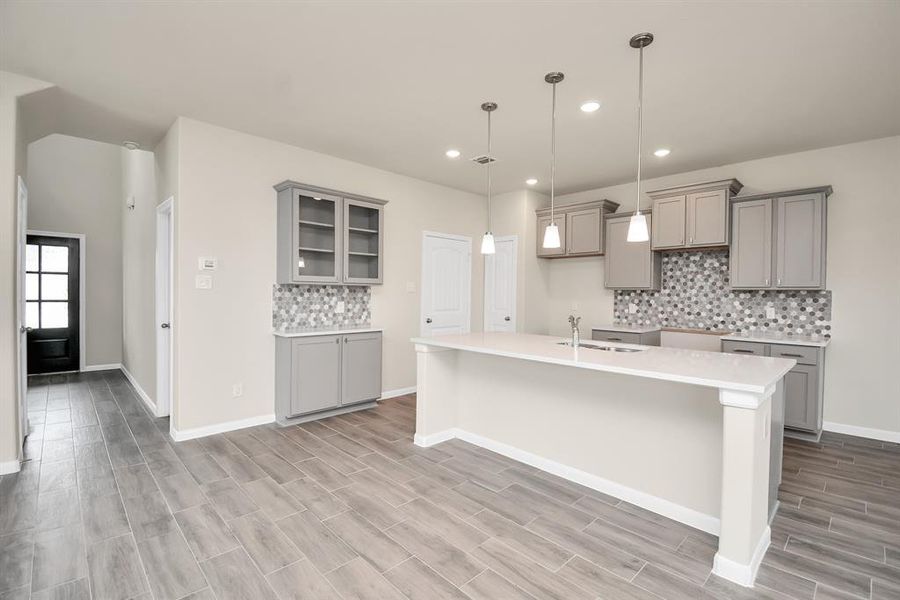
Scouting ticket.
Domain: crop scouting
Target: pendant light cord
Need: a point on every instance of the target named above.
(553, 154)
(637, 203)
(490, 160)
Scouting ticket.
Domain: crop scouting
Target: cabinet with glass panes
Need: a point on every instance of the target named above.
(327, 236)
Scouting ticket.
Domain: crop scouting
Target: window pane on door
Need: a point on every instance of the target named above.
(54, 314)
(31, 315)
(54, 287)
(31, 257)
(55, 258)
(31, 286)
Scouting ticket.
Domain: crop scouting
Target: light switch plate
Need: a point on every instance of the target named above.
(410, 287)
(203, 282)
(207, 263)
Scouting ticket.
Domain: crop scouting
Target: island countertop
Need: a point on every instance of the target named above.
(742, 373)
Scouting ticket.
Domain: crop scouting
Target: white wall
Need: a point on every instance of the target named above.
(139, 267)
(863, 272)
(75, 186)
(13, 161)
(225, 208)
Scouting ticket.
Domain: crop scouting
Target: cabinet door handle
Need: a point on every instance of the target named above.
(767, 282)
(742, 351)
(691, 240)
(337, 341)
(779, 281)
(612, 339)
(791, 355)
(346, 340)
(428, 320)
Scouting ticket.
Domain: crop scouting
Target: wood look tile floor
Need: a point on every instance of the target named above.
(108, 507)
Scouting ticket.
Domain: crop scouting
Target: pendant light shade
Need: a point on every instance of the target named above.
(487, 241)
(551, 233)
(637, 226)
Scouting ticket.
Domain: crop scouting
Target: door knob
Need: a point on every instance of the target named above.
(165, 325)
(506, 318)
(428, 319)
(24, 329)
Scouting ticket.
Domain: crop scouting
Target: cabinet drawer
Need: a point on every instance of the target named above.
(804, 355)
(615, 336)
(744, 348)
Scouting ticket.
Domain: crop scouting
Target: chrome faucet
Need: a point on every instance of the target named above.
(576, 335)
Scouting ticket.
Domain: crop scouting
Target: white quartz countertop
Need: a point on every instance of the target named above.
(627, 328)
(736, 372)
(291, 333)
(777, 338)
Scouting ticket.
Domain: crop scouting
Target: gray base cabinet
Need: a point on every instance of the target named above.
(629, 265)
(647, 338)
(778, 240)
(803, 385)
(322, 373)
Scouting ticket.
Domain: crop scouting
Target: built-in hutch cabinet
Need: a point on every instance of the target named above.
(778, 240)
(629, 265)
(581, 229)
(692, 216)
(318, 375)
(327, 236)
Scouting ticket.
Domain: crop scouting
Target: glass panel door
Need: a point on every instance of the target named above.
(317, 225)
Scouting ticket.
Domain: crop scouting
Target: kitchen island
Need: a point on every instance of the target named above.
(692, 435)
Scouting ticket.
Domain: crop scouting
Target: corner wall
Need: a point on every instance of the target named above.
(863, 271)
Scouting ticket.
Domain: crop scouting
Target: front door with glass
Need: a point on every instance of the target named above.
(51, 304)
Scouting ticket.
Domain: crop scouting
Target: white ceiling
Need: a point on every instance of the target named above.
(394, 84)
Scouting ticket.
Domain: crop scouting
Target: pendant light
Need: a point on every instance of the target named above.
(487, 242)
(551, 233)
(637, 226)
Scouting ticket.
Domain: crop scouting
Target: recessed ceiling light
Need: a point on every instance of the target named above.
(662, 152)
(452, 153)
(531, 181)
(590, 107)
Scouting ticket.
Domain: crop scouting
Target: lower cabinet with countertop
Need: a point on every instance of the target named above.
(803, 384)
(320, 373)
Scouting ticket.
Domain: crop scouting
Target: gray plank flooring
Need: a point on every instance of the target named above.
(108, 506)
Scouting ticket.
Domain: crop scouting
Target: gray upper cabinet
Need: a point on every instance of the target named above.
(692, 216)
(778, 240)
(361, 367)
(327, 236)
(629, 265)
(751, 244)
(581, 229)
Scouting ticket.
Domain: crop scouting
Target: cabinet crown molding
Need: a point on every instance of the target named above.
(822, 189)
(608, 206)
(290, 184)
(732, 185)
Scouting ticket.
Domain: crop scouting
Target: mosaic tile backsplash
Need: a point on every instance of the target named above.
(305, 306)
(695, 295)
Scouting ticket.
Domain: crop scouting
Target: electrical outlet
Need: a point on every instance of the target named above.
(770, 312)
(237, 390)
(339, 307)
(632, 308)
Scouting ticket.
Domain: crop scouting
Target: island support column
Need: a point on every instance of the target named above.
(436, 397)
(744, 536)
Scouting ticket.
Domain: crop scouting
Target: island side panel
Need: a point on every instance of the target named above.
(745, 535)
(436, 394)
(654, 443)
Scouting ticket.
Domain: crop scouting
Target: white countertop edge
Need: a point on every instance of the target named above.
(773, 339)
(627, 328)
(315, 332)
(762, 390)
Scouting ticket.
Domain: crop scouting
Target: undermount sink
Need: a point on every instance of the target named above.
(599, 347)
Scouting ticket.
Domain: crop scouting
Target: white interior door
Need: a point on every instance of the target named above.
(500, 285)
(21, 241)
(446, 284)
(163, 308)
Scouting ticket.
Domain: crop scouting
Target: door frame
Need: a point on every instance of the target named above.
(468, 283)
(82, 284)
(21, 332)
(515, 281)
(165, 266)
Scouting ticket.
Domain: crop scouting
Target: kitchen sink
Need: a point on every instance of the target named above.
(599, 347)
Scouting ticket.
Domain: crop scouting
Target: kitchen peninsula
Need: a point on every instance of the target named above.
(692, 435)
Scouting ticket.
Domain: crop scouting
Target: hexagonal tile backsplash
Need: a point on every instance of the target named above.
(311, 306)
(695, 295)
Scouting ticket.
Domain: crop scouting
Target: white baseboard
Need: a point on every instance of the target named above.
(398, 392)
(109, 367)
(883, 435)
(9, 467)
(148, 402)
(198, 432)
(742, 574)
(682, 514)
